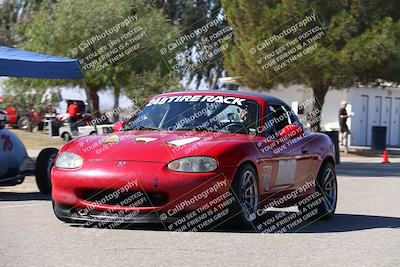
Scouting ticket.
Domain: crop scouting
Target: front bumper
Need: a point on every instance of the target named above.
(133, 191)
(71, 215)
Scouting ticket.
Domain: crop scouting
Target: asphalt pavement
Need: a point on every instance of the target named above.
(364, 232)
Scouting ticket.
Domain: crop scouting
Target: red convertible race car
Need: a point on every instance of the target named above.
(190, 159)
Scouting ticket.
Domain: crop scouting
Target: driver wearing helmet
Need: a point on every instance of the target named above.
(249, 118)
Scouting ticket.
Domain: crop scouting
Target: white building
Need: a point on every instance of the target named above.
(372, 106)
(106, 97)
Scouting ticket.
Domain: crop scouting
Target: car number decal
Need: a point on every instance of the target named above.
(286, 171)
(7, 142)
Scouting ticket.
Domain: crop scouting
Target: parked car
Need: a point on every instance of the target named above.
(66, 132)
(29, 120)
(15, 163)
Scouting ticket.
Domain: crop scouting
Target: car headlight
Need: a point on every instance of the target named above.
(68, 160)
(193, 164)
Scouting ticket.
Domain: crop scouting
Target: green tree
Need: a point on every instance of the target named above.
(12, 11)
(146, 84)
(58, 29)
(8, 17)
(363, 44)
(21, 97)
(185, 14)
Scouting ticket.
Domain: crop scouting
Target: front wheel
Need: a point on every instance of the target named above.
(44, 164)
(245, 188)
(326, 185)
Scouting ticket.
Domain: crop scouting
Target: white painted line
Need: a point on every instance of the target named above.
(17, 206)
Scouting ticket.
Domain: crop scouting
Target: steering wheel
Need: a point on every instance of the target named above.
(238, 126)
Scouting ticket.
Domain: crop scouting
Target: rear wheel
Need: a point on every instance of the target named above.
(245, 187)
(44, 164)
(327, 187)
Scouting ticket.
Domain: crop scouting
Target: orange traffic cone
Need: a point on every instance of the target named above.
(385, 157)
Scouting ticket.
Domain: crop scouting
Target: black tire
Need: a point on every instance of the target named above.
(23, 123)
(66, 137)
(245, 211)
(43, 165)
(326, 185)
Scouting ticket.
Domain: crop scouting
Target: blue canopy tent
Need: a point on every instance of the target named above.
(24, 64)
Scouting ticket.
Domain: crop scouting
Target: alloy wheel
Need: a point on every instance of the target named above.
(249, 194)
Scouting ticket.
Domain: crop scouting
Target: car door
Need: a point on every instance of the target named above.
(277, 163)
(291, 157)
(302, 152)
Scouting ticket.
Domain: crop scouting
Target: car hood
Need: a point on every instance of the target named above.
(152, 146)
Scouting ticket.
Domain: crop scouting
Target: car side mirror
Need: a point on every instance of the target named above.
(119, 126)
(291, 131)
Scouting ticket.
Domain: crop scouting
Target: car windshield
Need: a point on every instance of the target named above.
(199, 113)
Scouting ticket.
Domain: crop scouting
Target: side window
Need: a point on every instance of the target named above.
(282, 118)
(293, 119)
(277, 118)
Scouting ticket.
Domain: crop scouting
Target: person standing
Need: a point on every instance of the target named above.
(344, 129)
(73, 111)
